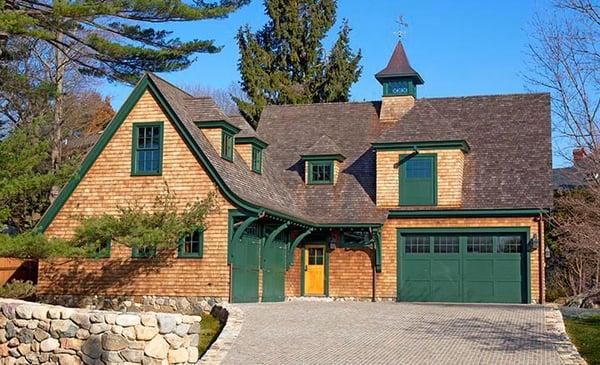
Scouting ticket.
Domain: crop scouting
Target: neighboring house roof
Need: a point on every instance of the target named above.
(567, 177)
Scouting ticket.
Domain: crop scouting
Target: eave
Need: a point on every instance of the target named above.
(465, 213)
(422, 145)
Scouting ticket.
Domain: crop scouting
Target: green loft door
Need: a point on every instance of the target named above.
(273, 265)
(245, 267)
(462, 267)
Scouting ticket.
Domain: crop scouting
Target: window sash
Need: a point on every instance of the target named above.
(192, 245)
(227, 145)
(320, 172)
(256, 159)
(147, 146)
(143, 252)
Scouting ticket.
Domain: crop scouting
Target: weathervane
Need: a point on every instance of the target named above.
(402, 27)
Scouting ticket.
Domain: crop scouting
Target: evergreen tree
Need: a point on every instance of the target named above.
(105, 39)
(285, 62)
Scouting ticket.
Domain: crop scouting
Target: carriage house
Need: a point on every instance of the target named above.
(406, 198)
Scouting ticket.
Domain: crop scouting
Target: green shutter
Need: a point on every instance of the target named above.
(418, 179)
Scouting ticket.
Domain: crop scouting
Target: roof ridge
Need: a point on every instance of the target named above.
(325, 103)
(169, 83)
(482, 96)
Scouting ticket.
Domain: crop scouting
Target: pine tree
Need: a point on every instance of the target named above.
(105, 39)
(285, 62)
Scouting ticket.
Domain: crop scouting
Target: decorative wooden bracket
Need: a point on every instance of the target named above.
(290, 260)
(237, 235)
(274, 234)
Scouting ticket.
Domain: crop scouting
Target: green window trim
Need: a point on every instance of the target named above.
(418, 190)
(257, 159)
(188, 241)
(143, 252)
(137, 151)
(317, 172)
(227, 143)
(102, 252)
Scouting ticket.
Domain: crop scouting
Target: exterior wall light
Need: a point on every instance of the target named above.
(547, 252)
(535, 242)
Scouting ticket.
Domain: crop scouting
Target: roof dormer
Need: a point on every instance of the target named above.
(322, 162)
(251, 150)
(221, 134)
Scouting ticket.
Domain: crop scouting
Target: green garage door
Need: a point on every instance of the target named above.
(244, 267)
(477, 267)
(273, 265)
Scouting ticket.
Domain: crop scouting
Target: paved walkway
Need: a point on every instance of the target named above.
(391, 333)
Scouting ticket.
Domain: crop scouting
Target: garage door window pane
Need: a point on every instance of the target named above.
(416, 244)
(445, 244)
(509, 244)
(480, 244)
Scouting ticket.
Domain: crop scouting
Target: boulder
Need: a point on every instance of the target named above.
(135, 356)
(24, 311)
(40, 312)
(145, 333)
(178, 356)
(92, 347)
(63, 328)
(82, 320)
(40, 335)
(166, 323)
(148, 320)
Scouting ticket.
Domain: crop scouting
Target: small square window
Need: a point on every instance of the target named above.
(446, 244)
(99, 252)
(192, 244)
(416, 243)
(227, 145)
(509, 244)
(480, 244)
(320, 172)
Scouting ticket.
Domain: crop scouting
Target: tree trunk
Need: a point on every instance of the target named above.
(58, 107)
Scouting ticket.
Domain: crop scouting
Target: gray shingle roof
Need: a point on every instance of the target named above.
(509, 165)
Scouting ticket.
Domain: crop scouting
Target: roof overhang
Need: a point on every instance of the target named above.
(223, 124)
(423, 145)
(321, 157)
(417, 79)
(442, 213)
(251, 140)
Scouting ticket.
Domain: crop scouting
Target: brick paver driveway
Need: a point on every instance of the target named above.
(391, 333)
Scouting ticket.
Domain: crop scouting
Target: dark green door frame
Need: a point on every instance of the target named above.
(526, 270)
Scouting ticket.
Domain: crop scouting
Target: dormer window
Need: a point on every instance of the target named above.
(221, 134)
(320, 172)
(227, 145)
(418, 179)
(251, 149)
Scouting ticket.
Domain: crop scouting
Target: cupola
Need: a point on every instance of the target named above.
(399, 81)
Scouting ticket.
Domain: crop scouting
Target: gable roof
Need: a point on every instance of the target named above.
(508, 167)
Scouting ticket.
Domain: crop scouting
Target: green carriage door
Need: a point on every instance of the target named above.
(273, 265)
(245, 267)
(462, 267)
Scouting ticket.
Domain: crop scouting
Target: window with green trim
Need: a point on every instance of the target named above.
(418, 180)
(320, 172)
(227, 145)
(101, 252)
(143, 252)
(192, 245)
(147, 149)
(256, 159)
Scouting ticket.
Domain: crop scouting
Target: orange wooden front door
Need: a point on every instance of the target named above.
(314, 270)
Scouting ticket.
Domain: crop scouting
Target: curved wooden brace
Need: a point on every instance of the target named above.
(276, 232)
(295, 244)
(238, 232)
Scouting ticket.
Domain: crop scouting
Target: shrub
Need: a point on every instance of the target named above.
(17, 289)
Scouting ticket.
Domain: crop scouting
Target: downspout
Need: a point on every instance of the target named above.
(541, 259)
(373, 266)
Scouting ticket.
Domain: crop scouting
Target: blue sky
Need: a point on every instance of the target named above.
(460, 48)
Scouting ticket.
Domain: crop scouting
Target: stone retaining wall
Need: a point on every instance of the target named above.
(148, 303)
(33, 333)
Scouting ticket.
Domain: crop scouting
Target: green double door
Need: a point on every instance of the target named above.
(472, 267)
(249, 256)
